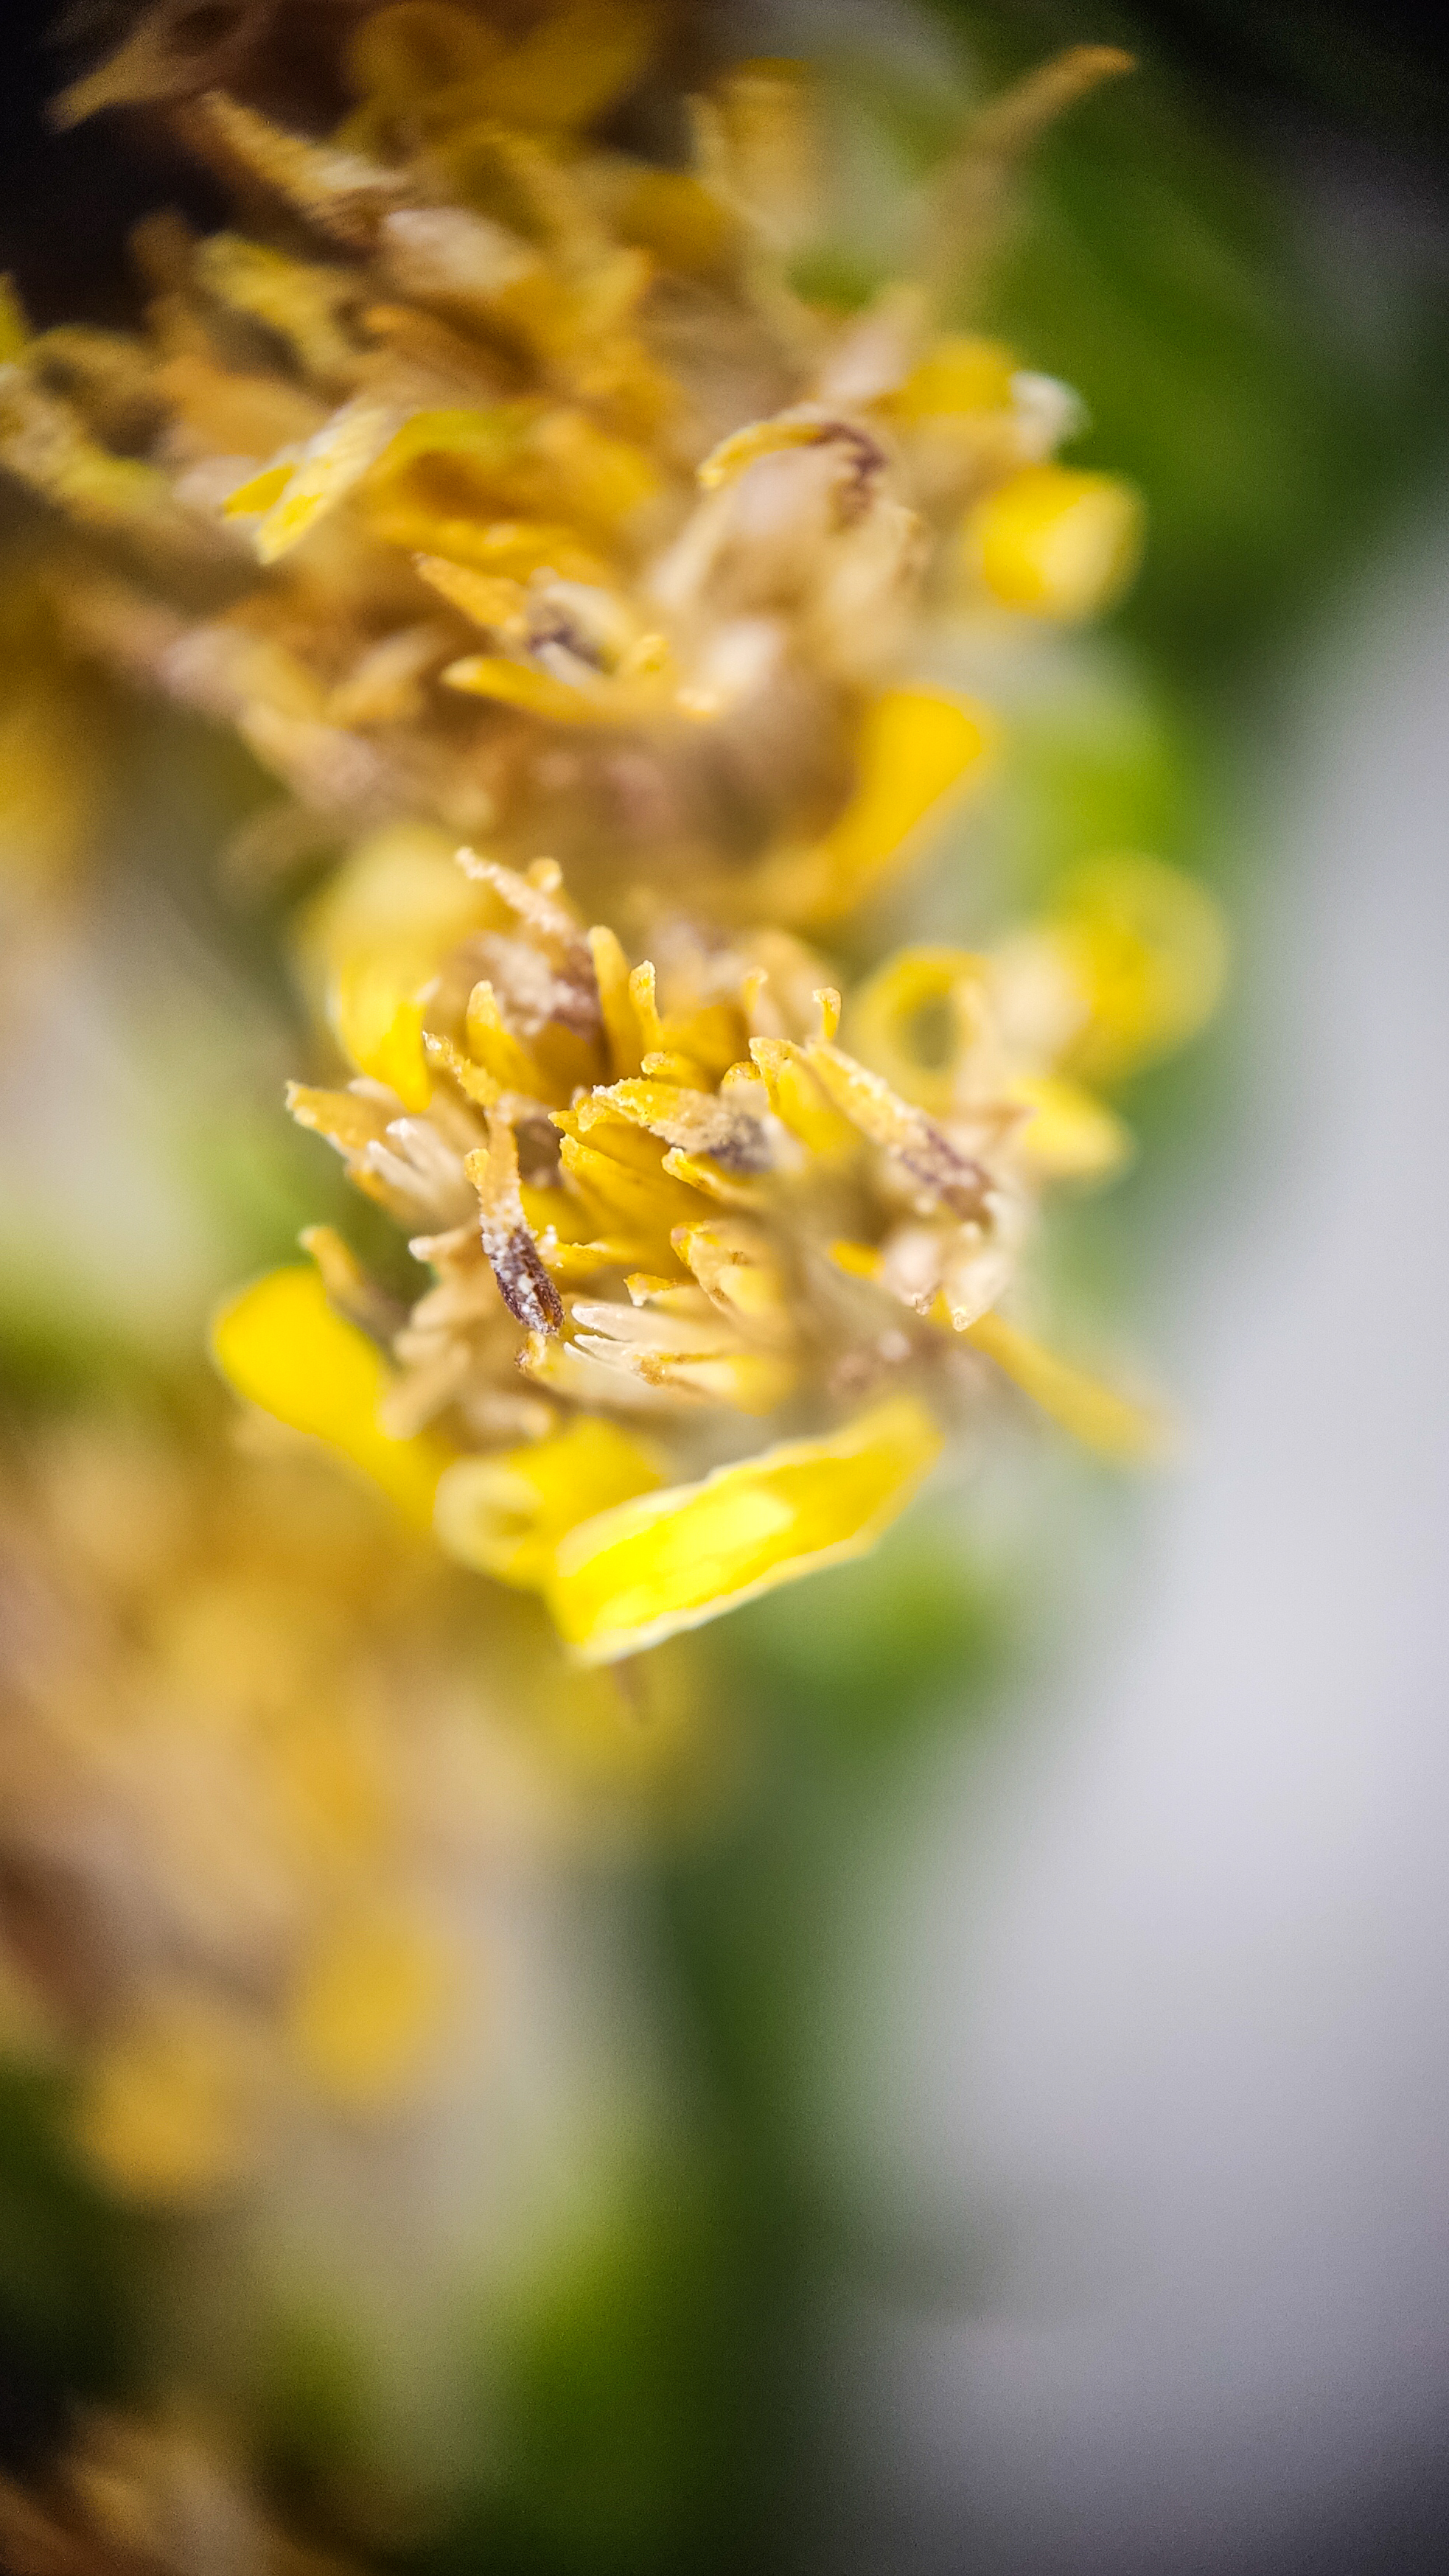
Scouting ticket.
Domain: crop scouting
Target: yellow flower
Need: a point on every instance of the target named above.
(538, 502)
(660, 1201)
(556, 514)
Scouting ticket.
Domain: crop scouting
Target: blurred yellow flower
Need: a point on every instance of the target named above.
(267, 1768)
(537, 501)
(532, 496)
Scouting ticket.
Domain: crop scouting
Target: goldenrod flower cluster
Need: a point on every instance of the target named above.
(502, 483)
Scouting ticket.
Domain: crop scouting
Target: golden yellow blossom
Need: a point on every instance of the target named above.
(501, 486)
(668, 1210)
(499, 480)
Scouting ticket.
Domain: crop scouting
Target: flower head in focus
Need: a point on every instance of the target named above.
(706, 1280)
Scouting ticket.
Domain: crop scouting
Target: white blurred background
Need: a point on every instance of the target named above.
(1163, 2013)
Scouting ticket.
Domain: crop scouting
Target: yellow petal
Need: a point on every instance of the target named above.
(616, 1001)
(505, 1514)
(915, 1018)
(740, 1273)
(400, 887)
(669, 1561)
(523, 685)
(957, 374)
(633, 1205)
(1146, 949)
(857, 1260)
(504, 1056)
(713, 1183)
(474, 1080)
(347, 1119)
(918, 749)
(577, 1265)
(329, 467)
(750, 1382)
(646, 1008)
(898, 1128)
(1068, 1135)
(600, 480)
(378, 1018)
(508, 549)
(1056, 542)
(799, 1102)
(726, 462)
(279, 1344)
(375, 939)
(258, 493)
(542, 693)
(1131, 1435)
(488, 598)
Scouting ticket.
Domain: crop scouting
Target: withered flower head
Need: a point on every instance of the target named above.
(663, 1203)
(501, 482)
(492, 473)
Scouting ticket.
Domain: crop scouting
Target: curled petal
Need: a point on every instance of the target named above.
(1144, 949)
(933, 991)
(672, 1560)
(918, 751)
